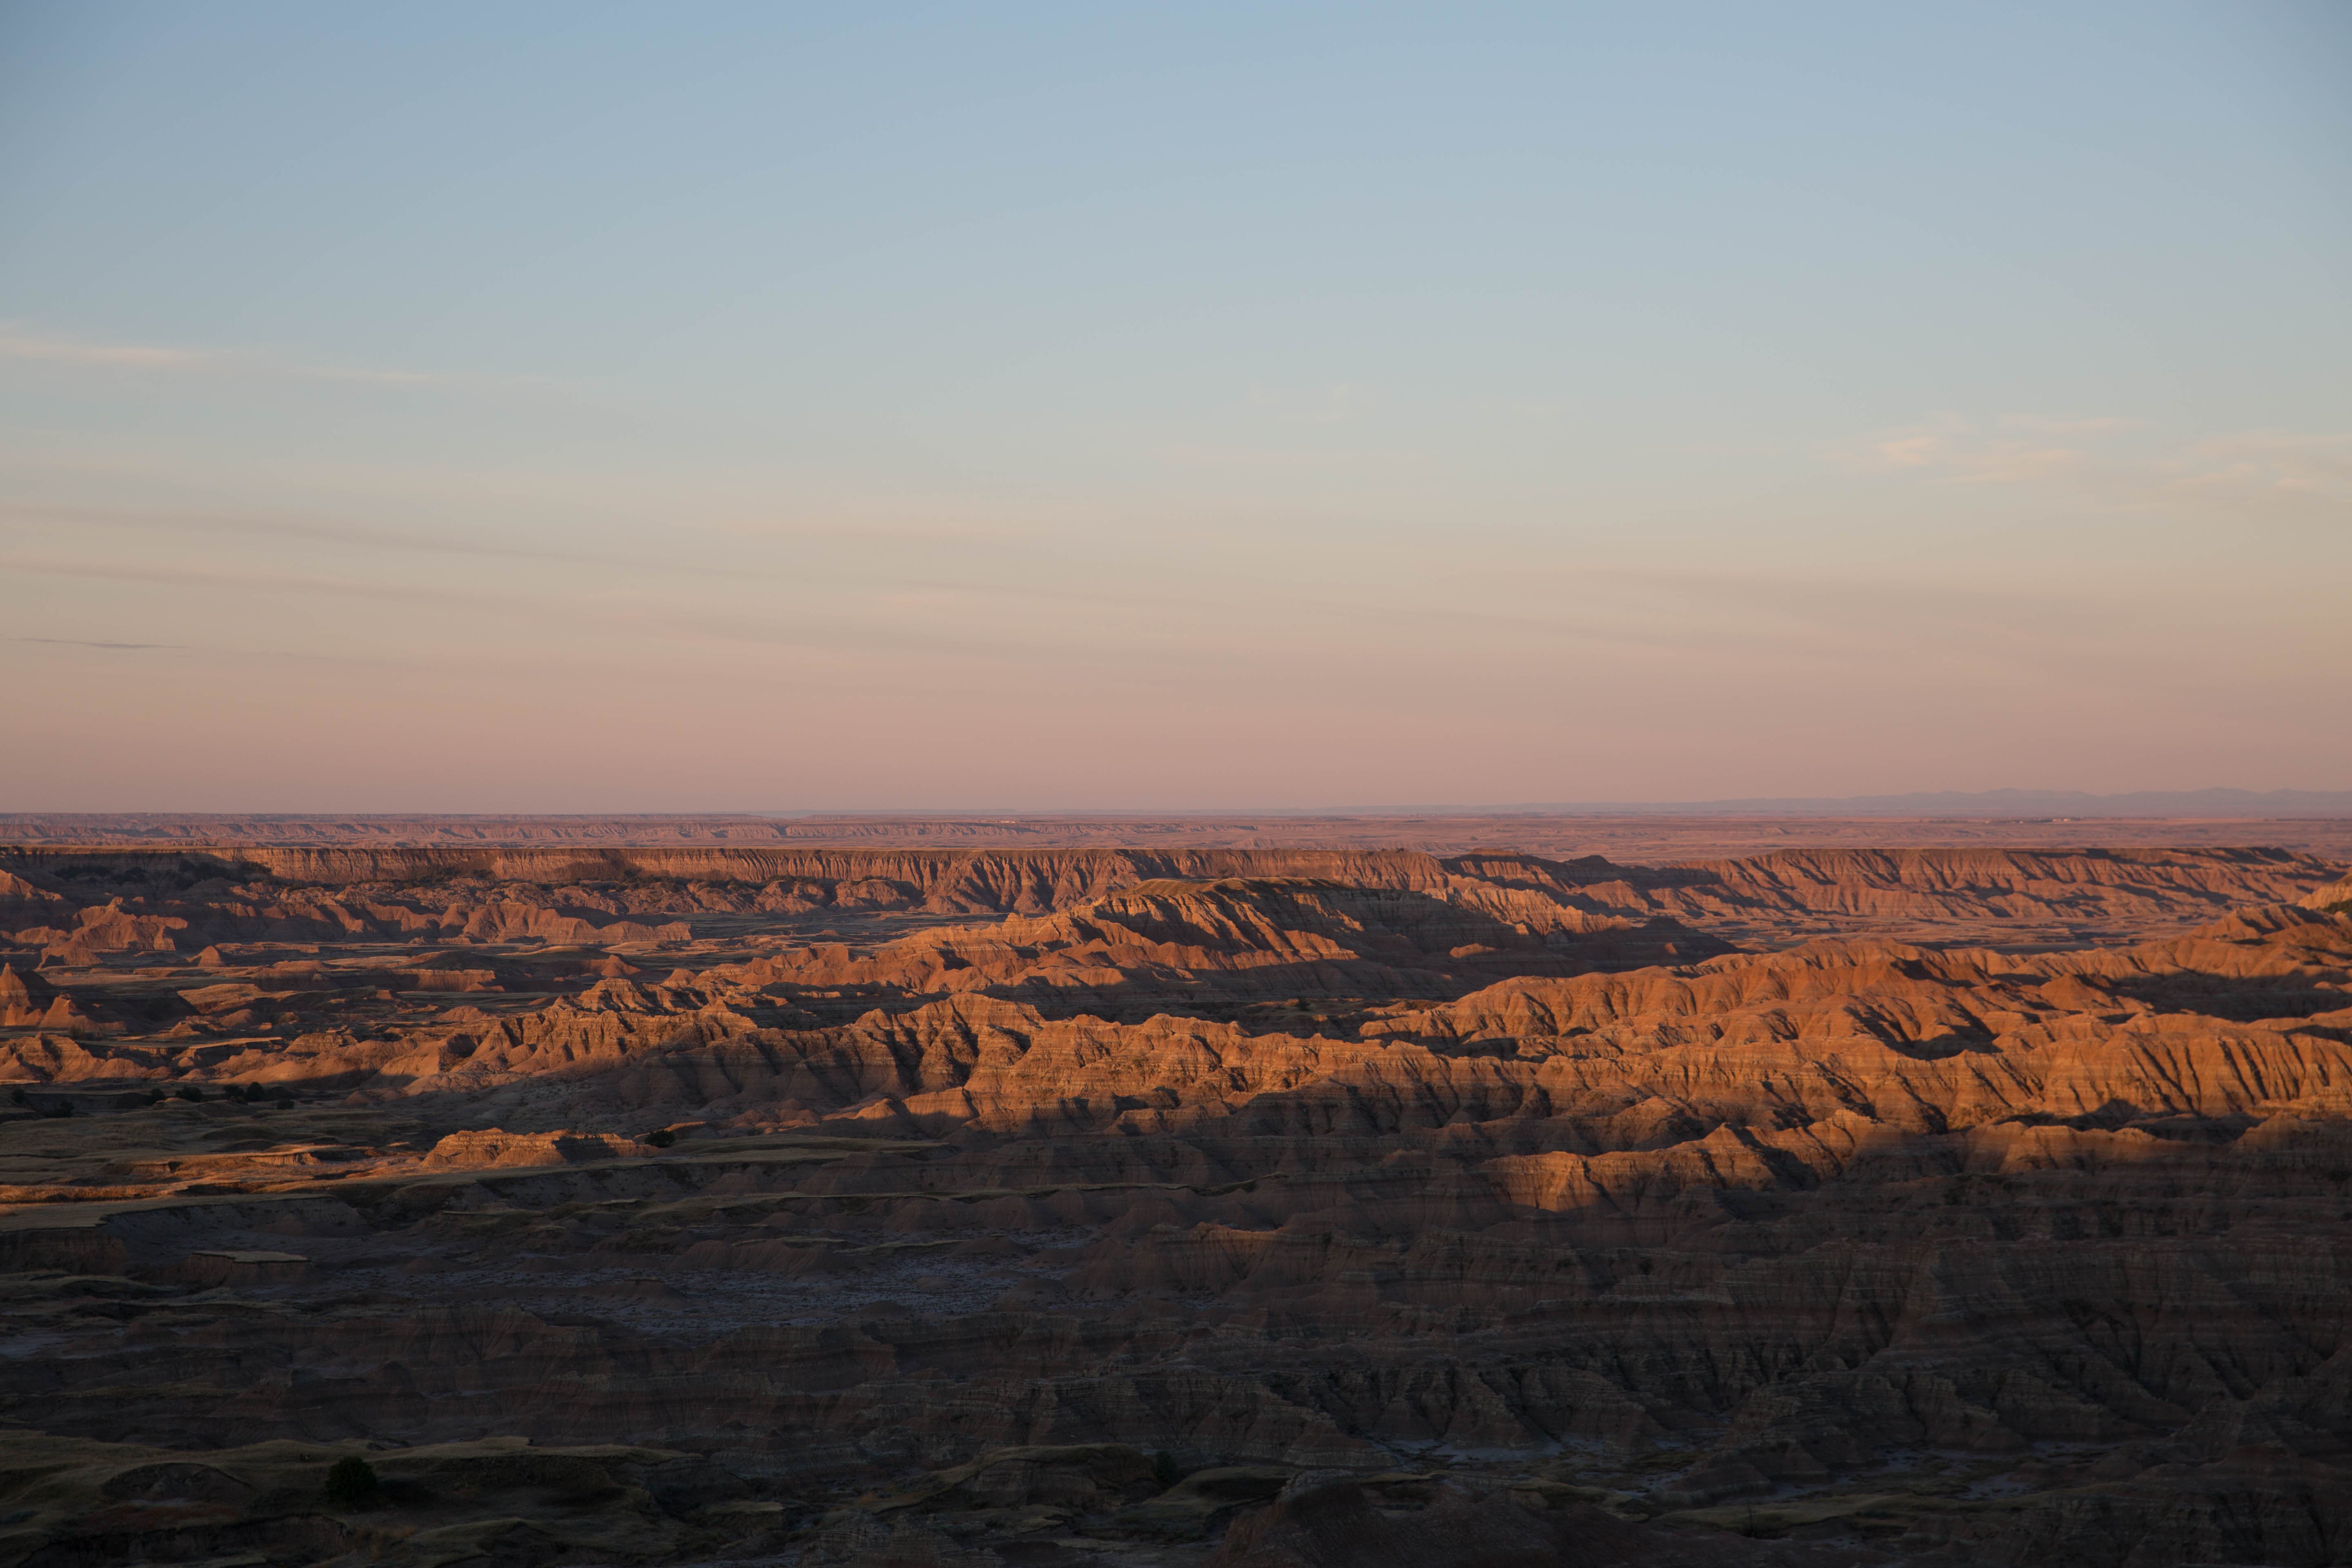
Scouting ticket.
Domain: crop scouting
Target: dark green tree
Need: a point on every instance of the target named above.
(351, 1483)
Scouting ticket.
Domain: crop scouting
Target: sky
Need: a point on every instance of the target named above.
(585, 408)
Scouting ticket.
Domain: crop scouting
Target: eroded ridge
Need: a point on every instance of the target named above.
(1175, 1206)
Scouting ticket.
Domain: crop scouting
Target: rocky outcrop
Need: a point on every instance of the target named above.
(2333, 899)
(493, 1148)
(28, 1001)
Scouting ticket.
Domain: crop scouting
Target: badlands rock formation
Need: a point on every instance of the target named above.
(1129, 1206)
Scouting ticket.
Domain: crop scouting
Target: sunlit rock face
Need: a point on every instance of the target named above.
(1257, 1207)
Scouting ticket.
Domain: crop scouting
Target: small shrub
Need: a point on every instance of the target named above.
(1165, 1469)
(191, 1093)
(156, 1096)
(283, 1102)
(351, 1483)
(64, 1109)
(663, 1139)
(18, 1097)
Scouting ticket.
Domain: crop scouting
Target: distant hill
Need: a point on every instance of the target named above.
(2035, 803)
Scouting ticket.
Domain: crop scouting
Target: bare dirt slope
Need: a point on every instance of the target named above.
(1134, 1205)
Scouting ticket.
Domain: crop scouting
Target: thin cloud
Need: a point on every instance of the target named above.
(325, 530)
(18, 343)
(1332, 403)
(205, 577)
(2286, 473)
(358, 535)
(2106, 424)
(14, 344)
(2281, 461)
(83, 642)
(657, 622)
(1956, 452)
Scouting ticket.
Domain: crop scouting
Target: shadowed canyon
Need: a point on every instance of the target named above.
(1241, 1207)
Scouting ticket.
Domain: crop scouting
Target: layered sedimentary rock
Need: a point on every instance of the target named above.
(1914, 1206)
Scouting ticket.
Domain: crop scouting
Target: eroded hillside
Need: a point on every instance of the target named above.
(1176, 1207)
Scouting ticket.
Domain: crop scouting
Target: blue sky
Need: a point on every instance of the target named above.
(599, 408)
